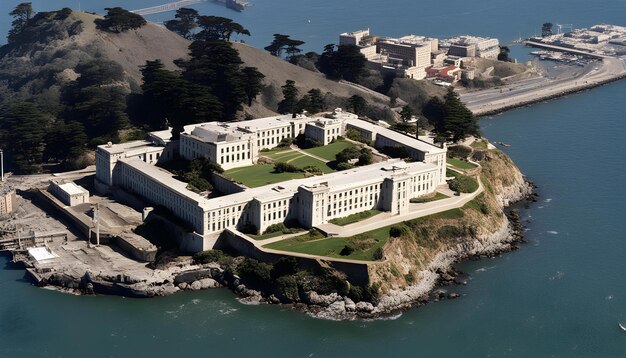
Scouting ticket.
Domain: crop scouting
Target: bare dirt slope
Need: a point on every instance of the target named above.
(132, 49)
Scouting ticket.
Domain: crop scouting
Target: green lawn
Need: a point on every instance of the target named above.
(329, 151)
(461, 164)
(479, 144)
(355, 217)
(364, 245)
(262, 174)
(438, 196)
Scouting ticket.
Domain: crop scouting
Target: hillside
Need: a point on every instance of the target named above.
(46, 57)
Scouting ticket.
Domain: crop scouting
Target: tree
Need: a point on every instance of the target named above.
(316, 102)
(348, 154)
(168, 97)
(406, 113)
(357, 103)
(434, 111)
(290, 98)
(253, 82)
(546, 29)
(24, 127)
(284, 43)
(504, 54)
(22, 13)
(65, 141)
(216, 65)
(184, 22)
(459, 121)
(218, 28)
(119, 20)
(347, 62)
(365, 158)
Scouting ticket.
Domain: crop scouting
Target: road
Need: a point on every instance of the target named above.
(537, 89)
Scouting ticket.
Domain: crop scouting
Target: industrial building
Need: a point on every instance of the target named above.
(70, 193)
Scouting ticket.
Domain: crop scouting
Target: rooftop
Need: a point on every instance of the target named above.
(72, 189)
(398, 137)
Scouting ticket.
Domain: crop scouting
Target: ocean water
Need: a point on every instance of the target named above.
(562, 294)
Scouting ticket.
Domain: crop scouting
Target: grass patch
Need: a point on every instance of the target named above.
(329, 151)
(263, 174)
(461, 164)
(461, 183)
(479, 144)
(364, 245)
(355, 217)
(438, 196)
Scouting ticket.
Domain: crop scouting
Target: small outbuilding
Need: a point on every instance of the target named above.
(70, 193)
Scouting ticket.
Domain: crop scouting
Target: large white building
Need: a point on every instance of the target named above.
(311, 201)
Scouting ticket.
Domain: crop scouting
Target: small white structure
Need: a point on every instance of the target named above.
(69, 193)
(324, 130)
(41, 254)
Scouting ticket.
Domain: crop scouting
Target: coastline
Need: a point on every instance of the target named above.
(498, 104)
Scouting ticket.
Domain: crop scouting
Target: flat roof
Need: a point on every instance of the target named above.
(41, 254)
(72, 189)
(163, 177)
(335, 181)
(396, 136)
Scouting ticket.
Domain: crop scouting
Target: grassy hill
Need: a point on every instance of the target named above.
(47, 56)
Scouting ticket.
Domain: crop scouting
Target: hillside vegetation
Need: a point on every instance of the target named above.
(65, 77)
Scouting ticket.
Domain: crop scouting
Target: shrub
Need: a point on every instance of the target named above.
(312, 169)
(398, 230)
(288, 285)
(348, 154)
(208, 256)
(346, 251)
(282, 167)
(378, 254)
(409, 277)
(459, 151)
(344, 166)
(285, 266)
(280, 227)
(255, 272)
(463, 184)
(285, 142)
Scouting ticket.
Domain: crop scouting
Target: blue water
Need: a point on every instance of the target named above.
(561, 295)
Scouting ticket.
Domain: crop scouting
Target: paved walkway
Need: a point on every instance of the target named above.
(309, 154)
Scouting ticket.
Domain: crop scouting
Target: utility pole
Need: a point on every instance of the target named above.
(97, 218)
(2, 163)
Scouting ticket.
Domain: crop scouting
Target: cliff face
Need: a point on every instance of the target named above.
(417, 260)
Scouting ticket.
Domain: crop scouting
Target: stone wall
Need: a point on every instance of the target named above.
(232, 241)
(225, 185)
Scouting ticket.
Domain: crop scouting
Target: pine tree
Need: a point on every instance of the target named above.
(290, 98)
(253, 82)
(357, 104)
(316, 101)
(24, 127)
(184, 22)
(21, 15)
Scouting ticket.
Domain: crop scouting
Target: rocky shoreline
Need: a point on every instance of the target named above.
(434, 282)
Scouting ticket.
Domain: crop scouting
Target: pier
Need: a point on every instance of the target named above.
(166, 7)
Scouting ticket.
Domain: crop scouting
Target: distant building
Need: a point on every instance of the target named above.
(7, 199)
(69, 193)
(450, 73)
(471, 46)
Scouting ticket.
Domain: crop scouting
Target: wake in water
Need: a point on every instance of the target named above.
(552, 232)
(557, 276)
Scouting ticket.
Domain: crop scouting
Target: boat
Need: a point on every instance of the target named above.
(621, 326)
(503, 144)
(237, 5)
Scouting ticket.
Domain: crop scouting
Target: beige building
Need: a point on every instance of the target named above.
(7, 199)
(310, 201)
(324, 130)
(70, 193)
(417, 149)
(471, 46)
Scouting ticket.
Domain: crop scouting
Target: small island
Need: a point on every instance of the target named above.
(332, 201)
